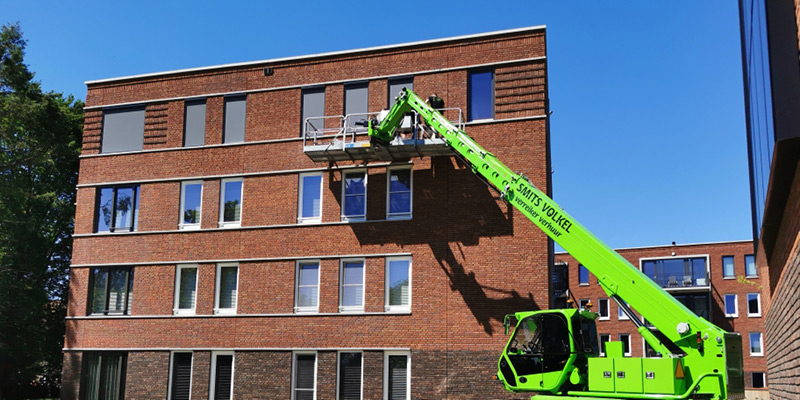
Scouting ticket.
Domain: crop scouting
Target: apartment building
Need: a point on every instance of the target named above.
(232, 242)
(717, 281)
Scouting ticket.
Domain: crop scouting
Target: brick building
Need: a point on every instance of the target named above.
(214, 258)
(770, 37)
(717, 281)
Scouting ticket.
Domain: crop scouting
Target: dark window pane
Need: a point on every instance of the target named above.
(304, 373)
(117, 291)
(355, 102)
(228, 285)
(350, 376)
(758, 380)
(583, 274)
(99, 290)
(123, 130)
(195, 124)
(396, 85)
(481, 95)
(311, 196)
(181, 376)
(313, 106)
(235, 108)
(123, 209)
(191, 203)
(188, 288)
(223, 377)
(232, 210)
(752, 304)
(105, 208)
(398, 377)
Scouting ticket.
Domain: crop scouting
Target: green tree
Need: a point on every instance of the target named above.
(40, 134)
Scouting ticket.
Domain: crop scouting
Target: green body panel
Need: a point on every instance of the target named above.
(615, 349)
(615, 274)
(628, 375)
(601, 374)
(659, 376)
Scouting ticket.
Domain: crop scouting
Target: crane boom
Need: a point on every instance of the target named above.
(710, 353)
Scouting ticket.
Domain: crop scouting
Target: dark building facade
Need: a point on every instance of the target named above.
(770, 48)
(213, 258)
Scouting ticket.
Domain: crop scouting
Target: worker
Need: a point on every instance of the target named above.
(435, 101)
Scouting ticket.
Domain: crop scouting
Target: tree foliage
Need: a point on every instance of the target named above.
(40, 134)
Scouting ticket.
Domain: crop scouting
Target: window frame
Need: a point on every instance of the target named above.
(172, 365)
(395, 82)
(733, 267)
(213, 381)
(608, 309)
(222, 222)
(100, 359)
(300, 198)
(217, 309)
(387, 285)
(758, 301)
(735, 305)
(127, 310)
(760, 344)
(600, 342)
(386, 355)
(234, 98)
(338, 371)
(588, 279)
(621, 316)
(630, 347)
(404, 215)
(304, 309)
(747, 273)
(176, 304)
(134, 209)
(194, 102)
(763, 379)
(316, 371)
(354, 218)
(352, 309)
(181, 223)
(119, 110)
(492, 90)
(581, 302)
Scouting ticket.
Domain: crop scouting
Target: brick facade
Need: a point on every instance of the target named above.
(457, 238)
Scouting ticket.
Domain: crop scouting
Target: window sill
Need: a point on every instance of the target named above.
(192, 227)
(183, 312)
(753, 315)
(751, 276)
(728, 277)
(351, 310)
(345, 218)
(225, 311)
(604, 318)
(583, 284)
(731, 315)
(398, 217)
(228, 225)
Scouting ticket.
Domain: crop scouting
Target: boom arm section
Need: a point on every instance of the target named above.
(617, 276)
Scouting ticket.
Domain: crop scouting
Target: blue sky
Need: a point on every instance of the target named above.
(648, 132)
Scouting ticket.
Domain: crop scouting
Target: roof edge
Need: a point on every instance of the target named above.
(317, 55)
(677, 245)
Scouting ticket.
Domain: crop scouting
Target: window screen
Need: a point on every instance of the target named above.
(123, 129)
(223, 377)
(313, 106)
(181, 376)
(234, 119)
(396, 85)
(304, 376)
(398, 377)
(194, 124)
(350, 376)
(355, 102)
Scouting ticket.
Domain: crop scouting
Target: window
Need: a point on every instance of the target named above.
(583, 275)
(117, 209)
(677, 272)
(626, 344)
(731, 308)
(194, 123)
(307, 292)
(221, 375)
(396, 376)
(602, 309)
(304, 376)
(351, 293)
(398, 284)
(648, 350)
(354, 196)
(103, 375)
(756, 348)
(350, 376)
(584, 303)
(185, 289)
(111, 291)
(235, 110)
(356, 102)
(123, 129)
(227, 288)
(699, 303)
(481, 95)
(758, 380)
(396, 85)
(728, 267)
(313, 108)
(191, 202)
(399, 199)
(180, 376)
(604, 338)
(753, 305)
(230, 205)
(621, 314)
(750, 269)
(309, 204)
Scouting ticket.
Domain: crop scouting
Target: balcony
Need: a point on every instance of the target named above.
(678, 273)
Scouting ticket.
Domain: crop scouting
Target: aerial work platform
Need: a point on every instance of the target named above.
(338, 138)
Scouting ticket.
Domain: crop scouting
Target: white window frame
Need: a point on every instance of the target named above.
(581, 301)
(763, 379)
(316, 368)
(600, 342)
(181, 224)
(608, 309)
(746, 274)
(722, 260)
(760, 342)
(588, 275)
(630, 346)
(400, 308)
(344, 197)
(172, 364)
(621, 316)
(213, 382)
(225, 311)
(360, 308)
(222, 222)
(410, 213)
(735, 305)
(309, 220)
(297, 308)
(386, 355)
(758, 300)
(178, 271)
(338, 372)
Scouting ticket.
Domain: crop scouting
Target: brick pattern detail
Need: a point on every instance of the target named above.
(520, 91)
(92, 132)
(201, 374)
(155, 125)
(782, 336)
(71, 375)
(147, 375)
(263, 375)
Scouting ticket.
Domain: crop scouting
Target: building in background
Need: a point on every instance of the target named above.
(769, 35)
(717, 281)
(213, 258)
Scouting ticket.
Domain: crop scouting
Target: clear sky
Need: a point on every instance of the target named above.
(648, 131)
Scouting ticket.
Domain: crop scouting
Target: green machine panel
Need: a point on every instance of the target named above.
(628, 375)
(601, 374)
(659, 376)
